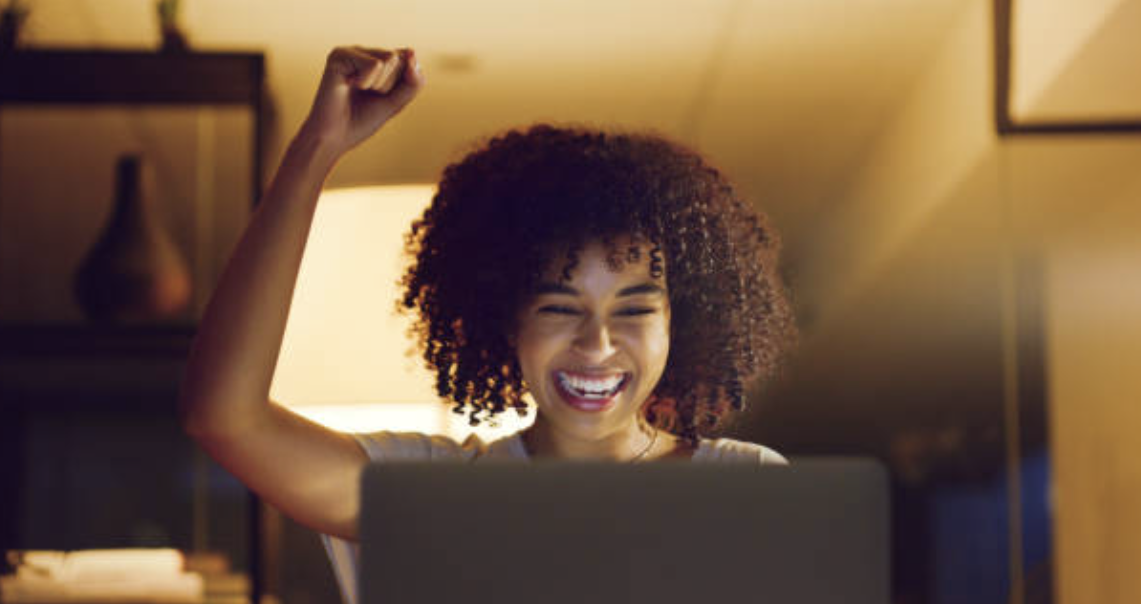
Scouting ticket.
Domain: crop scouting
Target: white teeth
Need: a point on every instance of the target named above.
(591, 388)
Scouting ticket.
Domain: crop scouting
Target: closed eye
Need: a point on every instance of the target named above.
(558, 310)
(566, 310)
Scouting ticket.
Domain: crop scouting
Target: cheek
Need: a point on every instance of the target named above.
(651, 342)
(534, 345)
(658, 345)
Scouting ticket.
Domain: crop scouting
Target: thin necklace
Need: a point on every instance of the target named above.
(635, 459)
(653, 440)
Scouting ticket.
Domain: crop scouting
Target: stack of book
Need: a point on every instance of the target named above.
(120, 576)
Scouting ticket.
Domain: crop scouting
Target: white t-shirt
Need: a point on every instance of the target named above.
(413, 446)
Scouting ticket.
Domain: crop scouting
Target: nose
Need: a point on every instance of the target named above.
(592, 342)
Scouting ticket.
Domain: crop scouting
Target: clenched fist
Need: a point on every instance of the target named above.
(361, 89)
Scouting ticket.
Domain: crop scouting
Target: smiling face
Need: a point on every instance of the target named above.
(593, 348)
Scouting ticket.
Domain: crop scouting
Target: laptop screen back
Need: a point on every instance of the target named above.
(664, 533)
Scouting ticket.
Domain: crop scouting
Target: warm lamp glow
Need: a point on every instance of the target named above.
(346, 359)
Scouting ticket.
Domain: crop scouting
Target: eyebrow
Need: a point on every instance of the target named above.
(633, 290)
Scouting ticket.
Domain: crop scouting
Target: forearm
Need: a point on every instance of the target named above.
(231, 365)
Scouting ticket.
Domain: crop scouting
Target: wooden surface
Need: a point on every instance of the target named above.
(1094, 347)
(130, 77)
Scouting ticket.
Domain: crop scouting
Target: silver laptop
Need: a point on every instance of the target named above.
(815, 532)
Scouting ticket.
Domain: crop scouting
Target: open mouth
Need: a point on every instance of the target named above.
(590, 393)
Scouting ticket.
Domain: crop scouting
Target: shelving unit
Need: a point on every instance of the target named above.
(117, 77)
(30, 353)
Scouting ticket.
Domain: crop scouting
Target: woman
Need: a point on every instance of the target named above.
(616, 278)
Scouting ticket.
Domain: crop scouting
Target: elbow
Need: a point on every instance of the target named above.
(349, 530)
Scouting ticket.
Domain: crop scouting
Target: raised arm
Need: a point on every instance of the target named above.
(307, 471)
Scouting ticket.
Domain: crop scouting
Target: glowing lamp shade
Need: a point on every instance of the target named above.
(347, 360)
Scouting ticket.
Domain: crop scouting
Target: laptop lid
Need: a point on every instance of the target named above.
(815, 532)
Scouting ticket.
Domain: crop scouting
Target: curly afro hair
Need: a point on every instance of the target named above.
(501, 213)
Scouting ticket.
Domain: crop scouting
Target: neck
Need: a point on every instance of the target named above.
(629, 444)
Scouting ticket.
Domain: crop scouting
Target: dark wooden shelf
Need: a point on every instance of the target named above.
(122, 77)
(21, 340)
(92, 368)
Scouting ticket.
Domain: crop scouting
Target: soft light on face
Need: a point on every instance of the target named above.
(593, 348)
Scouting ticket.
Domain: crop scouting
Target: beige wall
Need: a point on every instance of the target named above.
(940, 176)
(937, 141)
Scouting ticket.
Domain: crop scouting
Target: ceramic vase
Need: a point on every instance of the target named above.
(134, 273)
